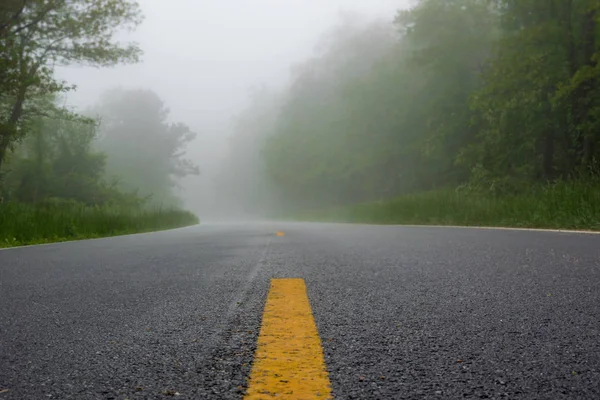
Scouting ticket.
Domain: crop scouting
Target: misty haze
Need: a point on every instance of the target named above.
(208, 61)
(299, 199)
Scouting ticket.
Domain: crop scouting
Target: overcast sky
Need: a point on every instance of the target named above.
(202, 57)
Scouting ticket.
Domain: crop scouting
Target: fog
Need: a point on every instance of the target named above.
(203, 58)
(293, 109)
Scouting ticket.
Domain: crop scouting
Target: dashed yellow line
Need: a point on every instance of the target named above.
(289, 362)
(280, 233)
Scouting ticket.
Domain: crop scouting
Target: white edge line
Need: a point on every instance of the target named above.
(92, 239)
(505, 228)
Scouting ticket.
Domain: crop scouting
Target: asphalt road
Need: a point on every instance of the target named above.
(402, 312)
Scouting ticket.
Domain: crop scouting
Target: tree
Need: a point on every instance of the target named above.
(539, 107)
(36, 35)
(56, 161)
(311, 150)
(144, 150)
(377, 114)
(491, 94)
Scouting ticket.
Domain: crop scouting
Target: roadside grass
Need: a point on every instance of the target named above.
(23, 224)
(562, 205)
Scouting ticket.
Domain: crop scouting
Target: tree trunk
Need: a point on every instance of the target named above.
(7, 129)
(548, 156)
(588, 150)
(4, 142)
(589, 49)
(571, 130)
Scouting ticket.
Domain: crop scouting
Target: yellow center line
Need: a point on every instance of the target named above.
(289, 362)
(280, 233)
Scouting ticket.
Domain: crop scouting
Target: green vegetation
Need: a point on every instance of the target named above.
(22, 224)
(563, 205)
(494, 97)
(64, 175)
(143, 152)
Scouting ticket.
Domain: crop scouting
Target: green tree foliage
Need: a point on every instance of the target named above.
(144, 150)
(492, 94)
(316, 153)
(539, 106)
(36, 35)
(56, 161)
(53, 183)
(382, 112)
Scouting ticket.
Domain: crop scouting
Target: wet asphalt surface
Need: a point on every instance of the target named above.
(402, 312)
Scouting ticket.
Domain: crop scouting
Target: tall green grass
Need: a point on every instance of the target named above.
(26, 224)
(563, 205)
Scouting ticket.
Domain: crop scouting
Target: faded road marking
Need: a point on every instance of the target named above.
(280, 233)
(289, 362)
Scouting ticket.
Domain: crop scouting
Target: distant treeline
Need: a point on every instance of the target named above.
(486, 95)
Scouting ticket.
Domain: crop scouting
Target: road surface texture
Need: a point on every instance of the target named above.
(402, 312)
